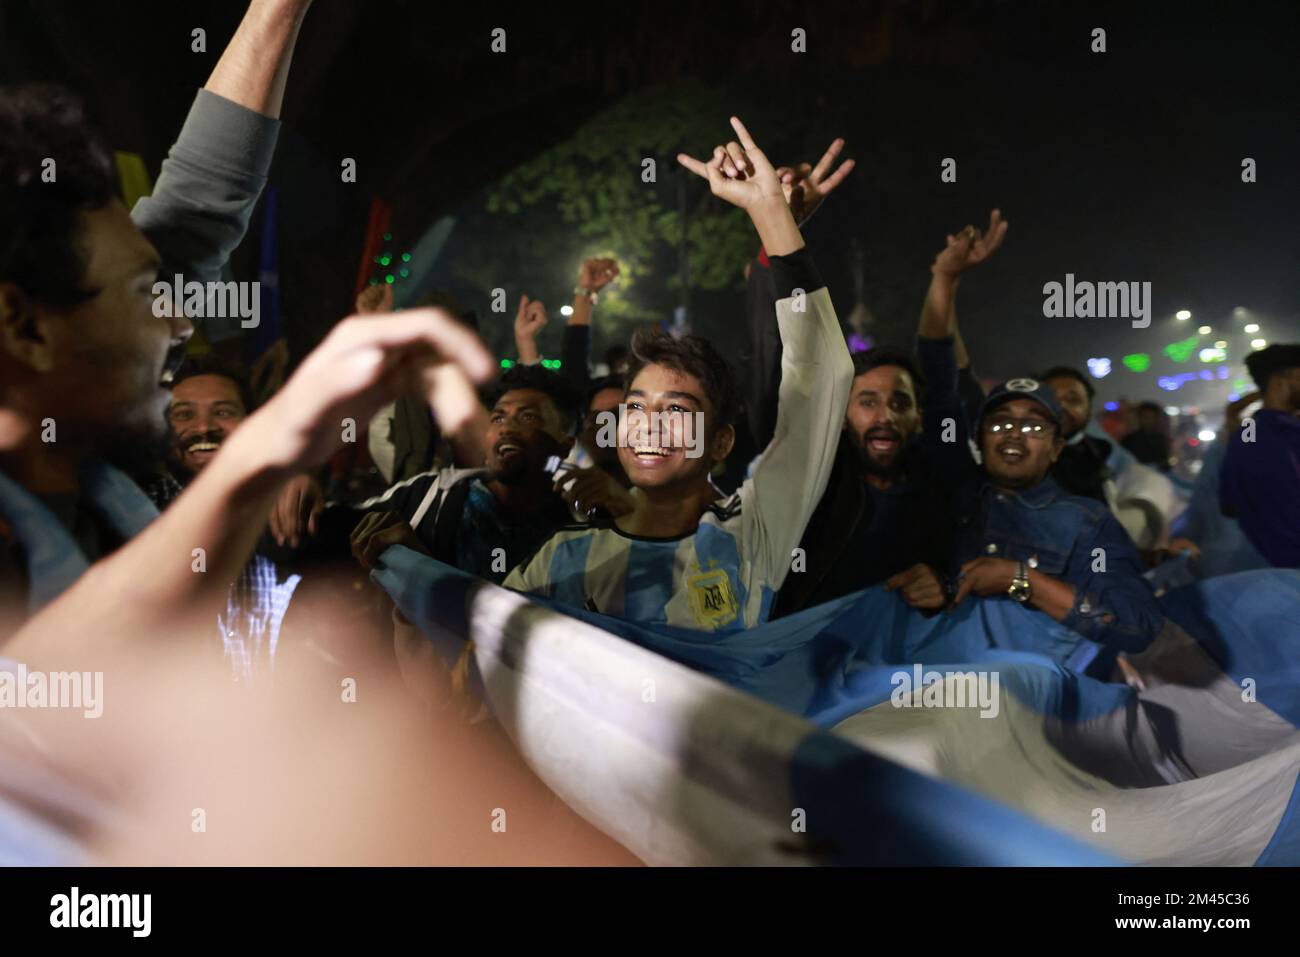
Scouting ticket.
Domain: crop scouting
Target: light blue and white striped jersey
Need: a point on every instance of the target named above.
(725, 575)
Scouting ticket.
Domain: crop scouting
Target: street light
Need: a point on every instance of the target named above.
(1257, 343)
(1204, 330)
(1253, 327)
(1182, 314)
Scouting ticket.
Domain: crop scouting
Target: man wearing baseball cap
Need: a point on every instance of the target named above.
(1260, 482)
(1022, 537)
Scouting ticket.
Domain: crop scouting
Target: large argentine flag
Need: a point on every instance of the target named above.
(860, 732)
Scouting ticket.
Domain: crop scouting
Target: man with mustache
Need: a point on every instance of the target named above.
(209, 400)
(887, 512)
(887, 515)
(484, 520)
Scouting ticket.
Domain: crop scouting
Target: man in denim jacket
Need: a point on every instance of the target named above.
(1024, 538)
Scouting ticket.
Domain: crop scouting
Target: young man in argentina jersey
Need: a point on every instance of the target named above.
(685, 555)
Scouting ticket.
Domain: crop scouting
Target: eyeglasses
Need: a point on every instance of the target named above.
(1032, 428)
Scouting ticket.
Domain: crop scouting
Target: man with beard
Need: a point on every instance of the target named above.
(1260, 485)
(1022, 538)
(887, 515)
(484, 520)
(76, 297)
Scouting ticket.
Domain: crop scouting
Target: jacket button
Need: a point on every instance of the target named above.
(1033, 561)
(991, 549)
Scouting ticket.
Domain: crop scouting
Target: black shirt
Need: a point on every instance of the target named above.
(1082, 469)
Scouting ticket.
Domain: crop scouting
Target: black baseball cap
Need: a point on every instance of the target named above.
(1023, 388)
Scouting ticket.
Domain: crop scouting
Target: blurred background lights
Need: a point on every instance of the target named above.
(1099, 367)
(1252, 327)
(1206, 435)
(1204, 330)
(1182, 315)
(1257, 343)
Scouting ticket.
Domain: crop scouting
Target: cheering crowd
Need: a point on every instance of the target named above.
(142, 494)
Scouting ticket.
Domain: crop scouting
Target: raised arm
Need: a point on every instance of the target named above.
(968, 248)
(596, 273)
(816, 371)
(216, 170)
(575, 349)
(255, 64)
(530, 320)
(805, 188)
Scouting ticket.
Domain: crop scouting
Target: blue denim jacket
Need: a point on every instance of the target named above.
(1067, 537)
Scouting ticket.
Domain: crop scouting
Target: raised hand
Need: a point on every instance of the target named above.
(970, 247)
(755, 188)
(596, 274)
(529, 321)
(754, 180)
(806, 187)
(363, 364)
(375, 299)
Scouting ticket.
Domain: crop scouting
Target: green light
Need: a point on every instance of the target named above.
(406, 257)
(387, 236)
(385, 259)
(506, 363)
(1182, 351)
(389, 279)
(404, 272)
(1138, 362)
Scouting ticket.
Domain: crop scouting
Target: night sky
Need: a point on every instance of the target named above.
(1122, 166)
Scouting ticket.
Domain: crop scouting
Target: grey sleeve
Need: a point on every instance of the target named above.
(787, 480)
(209, 184)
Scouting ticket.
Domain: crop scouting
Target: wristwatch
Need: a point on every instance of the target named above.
(1019, 588)
(590, 294)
